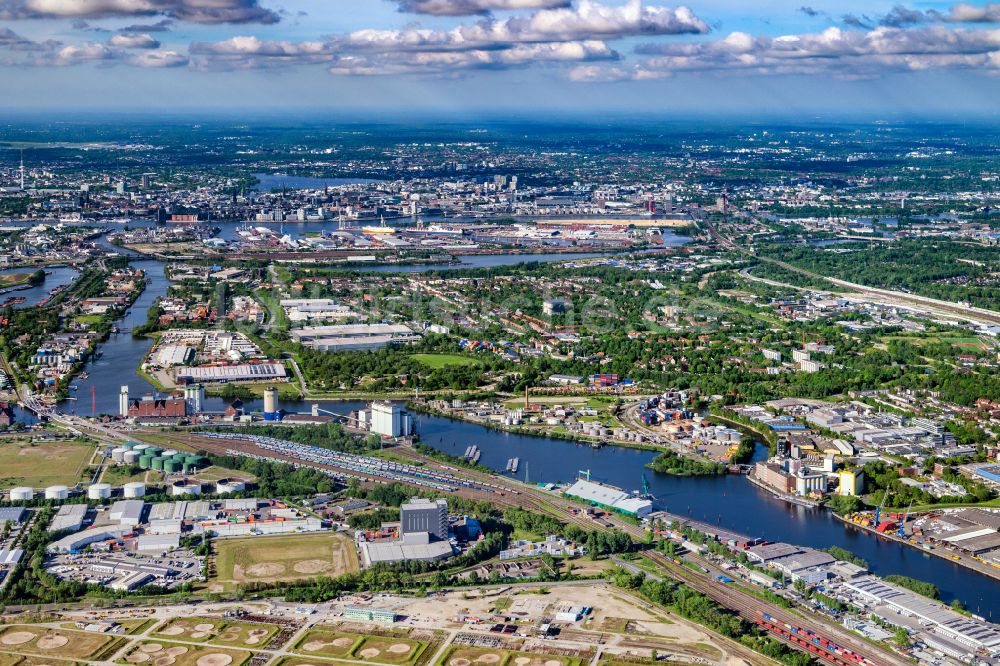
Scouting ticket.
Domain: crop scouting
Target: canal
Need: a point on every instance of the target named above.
(727, 501)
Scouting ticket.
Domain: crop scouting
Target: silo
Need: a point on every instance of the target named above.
(271, 404)
(99, 491)
(22, 494)
(134, 489)
(56, 493)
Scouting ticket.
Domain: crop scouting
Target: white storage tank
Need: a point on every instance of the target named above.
(22, 494)
(99, 491)
(140, 448)
(169, 453)
(134, 489)
(223, 486)
(56, 493)
(118, 455)
(185, 488)
(131, 458)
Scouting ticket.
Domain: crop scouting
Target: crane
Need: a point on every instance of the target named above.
(878, 509)
(903, 521)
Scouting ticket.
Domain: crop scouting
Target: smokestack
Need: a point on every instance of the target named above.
(527, 400)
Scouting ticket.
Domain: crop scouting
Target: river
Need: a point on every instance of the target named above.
(728, 501)
(56, 276)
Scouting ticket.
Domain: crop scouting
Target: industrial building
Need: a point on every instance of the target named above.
(379, 615)
(610, 497)
(353, 337)
(423, 515)
(424, 535)
(241, 372)
(389, 419)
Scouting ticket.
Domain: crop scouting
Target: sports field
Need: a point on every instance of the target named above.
(44, 464)
(435, 361)
(269, 559)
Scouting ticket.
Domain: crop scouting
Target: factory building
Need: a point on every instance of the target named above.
(610, 497)
(390, 419)
(423, 515)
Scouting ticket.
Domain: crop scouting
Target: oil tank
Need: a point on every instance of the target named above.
(118, 455)
(56, 493)
(22, 494)
(134, 489)
(172, 466)
(157, 464)
(131, 457)
(99, 491)
(185, 488)
(146, 461)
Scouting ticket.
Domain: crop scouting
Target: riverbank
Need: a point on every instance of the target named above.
(961, 559)
(784, 497)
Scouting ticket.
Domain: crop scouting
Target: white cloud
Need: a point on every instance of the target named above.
(158, 59)
(194, 11)
(134, 41)
(472, 7)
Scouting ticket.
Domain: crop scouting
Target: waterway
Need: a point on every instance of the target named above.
(56, 276)
(727, 501)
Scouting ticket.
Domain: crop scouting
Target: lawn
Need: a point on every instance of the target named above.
(272, 559)
(42, 464)
(435, 361)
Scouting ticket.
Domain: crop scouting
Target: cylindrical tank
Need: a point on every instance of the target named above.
(172, 466)
(158, 464)
(169, 453)
(99, 491)
(129, 445)
(194, 461)
(154, 450)
(146, 461)
(56, 493)
(185, 488)
(131, 457)
(223, 486)
(141, 448)
(118, 455)
(271, 404)
(134, 489)
(22, 494)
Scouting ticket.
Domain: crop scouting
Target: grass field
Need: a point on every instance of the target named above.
(44, 464)
(280, 558)
(217, 632)
(173, 654)
(360, 647)
(214, 473)
(461, 655)
(434, 361)
(45, 642)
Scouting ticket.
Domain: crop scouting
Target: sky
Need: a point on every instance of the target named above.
(754, 58)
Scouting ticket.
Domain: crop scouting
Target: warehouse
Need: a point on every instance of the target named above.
(610, 497)
(69, 517)
(127, 513)
(398, 551)
(244, 372)
(348, 337)
(13, 514)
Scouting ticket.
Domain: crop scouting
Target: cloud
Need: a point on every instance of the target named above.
(835, 52)
(810, 11)
(134, 41)
(158, 59)
(966, 13)
(9, 38)
(76, 54)
(160, 26)
(473, 7)
(193, 11)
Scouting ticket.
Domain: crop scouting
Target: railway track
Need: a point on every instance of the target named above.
(749, 607)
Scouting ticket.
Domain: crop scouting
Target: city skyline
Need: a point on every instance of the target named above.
(504, 56)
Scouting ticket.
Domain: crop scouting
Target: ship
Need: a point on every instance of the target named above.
(381, 229)
(436, 230)
(512, 465)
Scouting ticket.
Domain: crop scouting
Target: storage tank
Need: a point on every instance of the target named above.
(99, 491)
(169, 453)
(131, 457)
(185, 488)
(134, 489)
(56, 493)
(194, 461)
(118, 455)
(154, 450)
(129, 445)
(157, 464)
(172, 466)
(223, 486)
(141, 448)
(146, 461)
(271, 405)
(22, 494)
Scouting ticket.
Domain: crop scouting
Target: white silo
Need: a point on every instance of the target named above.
(99, 491)
(134, 489)
(22, 494)
(56, 493)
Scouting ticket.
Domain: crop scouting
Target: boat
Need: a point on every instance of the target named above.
(514, 464)
(382, 229)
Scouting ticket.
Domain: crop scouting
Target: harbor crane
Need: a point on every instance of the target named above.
(902, 522)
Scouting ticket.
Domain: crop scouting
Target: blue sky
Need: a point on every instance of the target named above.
(705, 57)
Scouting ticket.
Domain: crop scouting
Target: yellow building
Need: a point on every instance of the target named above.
(852, 482)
